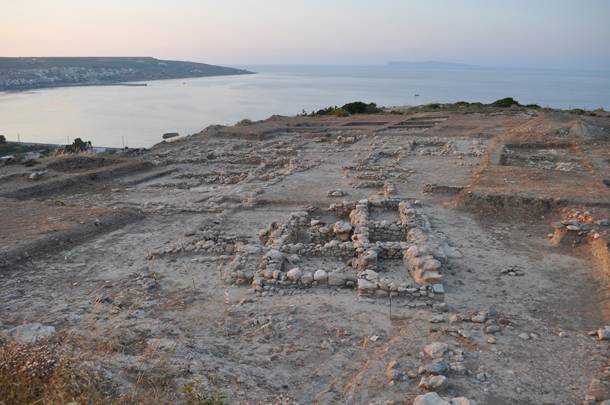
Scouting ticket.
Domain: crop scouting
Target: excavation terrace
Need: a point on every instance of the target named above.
(361, 259)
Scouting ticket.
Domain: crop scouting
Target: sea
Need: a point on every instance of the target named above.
(138, 116)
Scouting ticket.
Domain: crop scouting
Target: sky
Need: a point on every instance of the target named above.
(510, 33)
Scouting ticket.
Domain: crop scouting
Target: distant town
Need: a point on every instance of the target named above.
(31, 73)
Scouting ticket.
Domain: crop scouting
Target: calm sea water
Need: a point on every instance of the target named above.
(138, 116)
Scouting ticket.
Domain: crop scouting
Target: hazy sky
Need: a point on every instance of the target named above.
(537, 33)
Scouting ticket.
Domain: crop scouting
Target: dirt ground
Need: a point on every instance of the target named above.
(512, 203)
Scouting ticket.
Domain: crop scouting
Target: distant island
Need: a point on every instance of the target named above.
(431, 65)
(34, 73)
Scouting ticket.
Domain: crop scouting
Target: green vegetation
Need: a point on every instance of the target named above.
(2, 139)
(476, 107)
(244, 123)
(356, 107)
(78, 146)
(506, 102)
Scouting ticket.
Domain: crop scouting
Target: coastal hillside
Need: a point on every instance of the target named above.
(31, 73)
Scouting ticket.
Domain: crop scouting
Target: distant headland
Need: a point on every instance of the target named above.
(34, 73)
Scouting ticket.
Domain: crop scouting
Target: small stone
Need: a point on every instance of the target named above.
(370, 275)
(392, 373)
(336, 193)
(480, 317)
(491, 329)
(434, 382)
(365, 285)
(464, 333)
(320, 276)
(458, 367)
(438, 288)
(294, 274)
(436, 350)
(431, 398)
(432, 265)
(603, 333)
(37, 175)
(437, 319)
(455, 318)
(491, 340)
(337, 278)
(342, 228)
(437, 367)
(307, 278)
(440, 307)
(524, 336)
(462, 401)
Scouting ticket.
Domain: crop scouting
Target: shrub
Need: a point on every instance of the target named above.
(78, 146)
(325, 111)
(244, 123)
(2, 139)
(534, 106)
(340, 112)
(358, 107)
(578, 111)
(505, 102)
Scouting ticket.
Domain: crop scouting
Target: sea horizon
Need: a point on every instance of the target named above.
(108, 115)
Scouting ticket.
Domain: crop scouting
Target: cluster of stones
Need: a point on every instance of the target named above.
(270, 161)
(368, 173)
(360, 243)
(580, 223)
(432, 398)
(463, 326)
(432, 147)
(598, 391)
(224, 177)
(438, 361)
(211, 241)
(423, 254)
(580, 228)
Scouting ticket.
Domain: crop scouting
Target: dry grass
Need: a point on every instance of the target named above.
(60, 372)
(38, 374)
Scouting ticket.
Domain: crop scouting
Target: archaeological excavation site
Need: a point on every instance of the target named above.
(443, 254)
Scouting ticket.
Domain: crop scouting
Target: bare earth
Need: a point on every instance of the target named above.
(312, 259)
